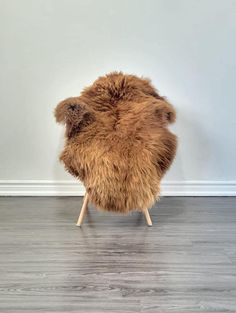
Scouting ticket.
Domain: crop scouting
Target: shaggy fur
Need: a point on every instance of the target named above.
(117, 141)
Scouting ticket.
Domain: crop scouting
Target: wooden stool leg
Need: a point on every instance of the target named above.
(83, 210)
(147, 216)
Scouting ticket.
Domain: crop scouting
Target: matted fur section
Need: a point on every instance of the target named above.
(117, 141)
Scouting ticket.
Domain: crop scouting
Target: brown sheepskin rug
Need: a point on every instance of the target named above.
(117, 141)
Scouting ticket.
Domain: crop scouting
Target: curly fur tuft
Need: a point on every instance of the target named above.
(117, 141)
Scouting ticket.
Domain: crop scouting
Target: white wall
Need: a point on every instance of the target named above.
(51, 49)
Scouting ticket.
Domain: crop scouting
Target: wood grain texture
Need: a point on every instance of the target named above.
(185, 263)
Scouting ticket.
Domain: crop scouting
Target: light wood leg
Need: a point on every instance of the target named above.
(147, 216)
(83, 210)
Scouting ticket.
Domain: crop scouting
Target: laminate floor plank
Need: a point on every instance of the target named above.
(186, 262)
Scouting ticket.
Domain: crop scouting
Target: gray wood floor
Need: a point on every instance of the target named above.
(185, 263)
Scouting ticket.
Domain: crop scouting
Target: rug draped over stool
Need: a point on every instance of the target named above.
(118, 142)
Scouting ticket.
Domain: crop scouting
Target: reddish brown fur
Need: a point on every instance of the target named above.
(117, 141)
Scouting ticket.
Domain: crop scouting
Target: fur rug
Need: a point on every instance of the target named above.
(117, 141)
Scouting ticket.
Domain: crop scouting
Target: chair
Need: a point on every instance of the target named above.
(117, 142)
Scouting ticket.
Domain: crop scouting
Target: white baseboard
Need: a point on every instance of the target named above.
(74, 188)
